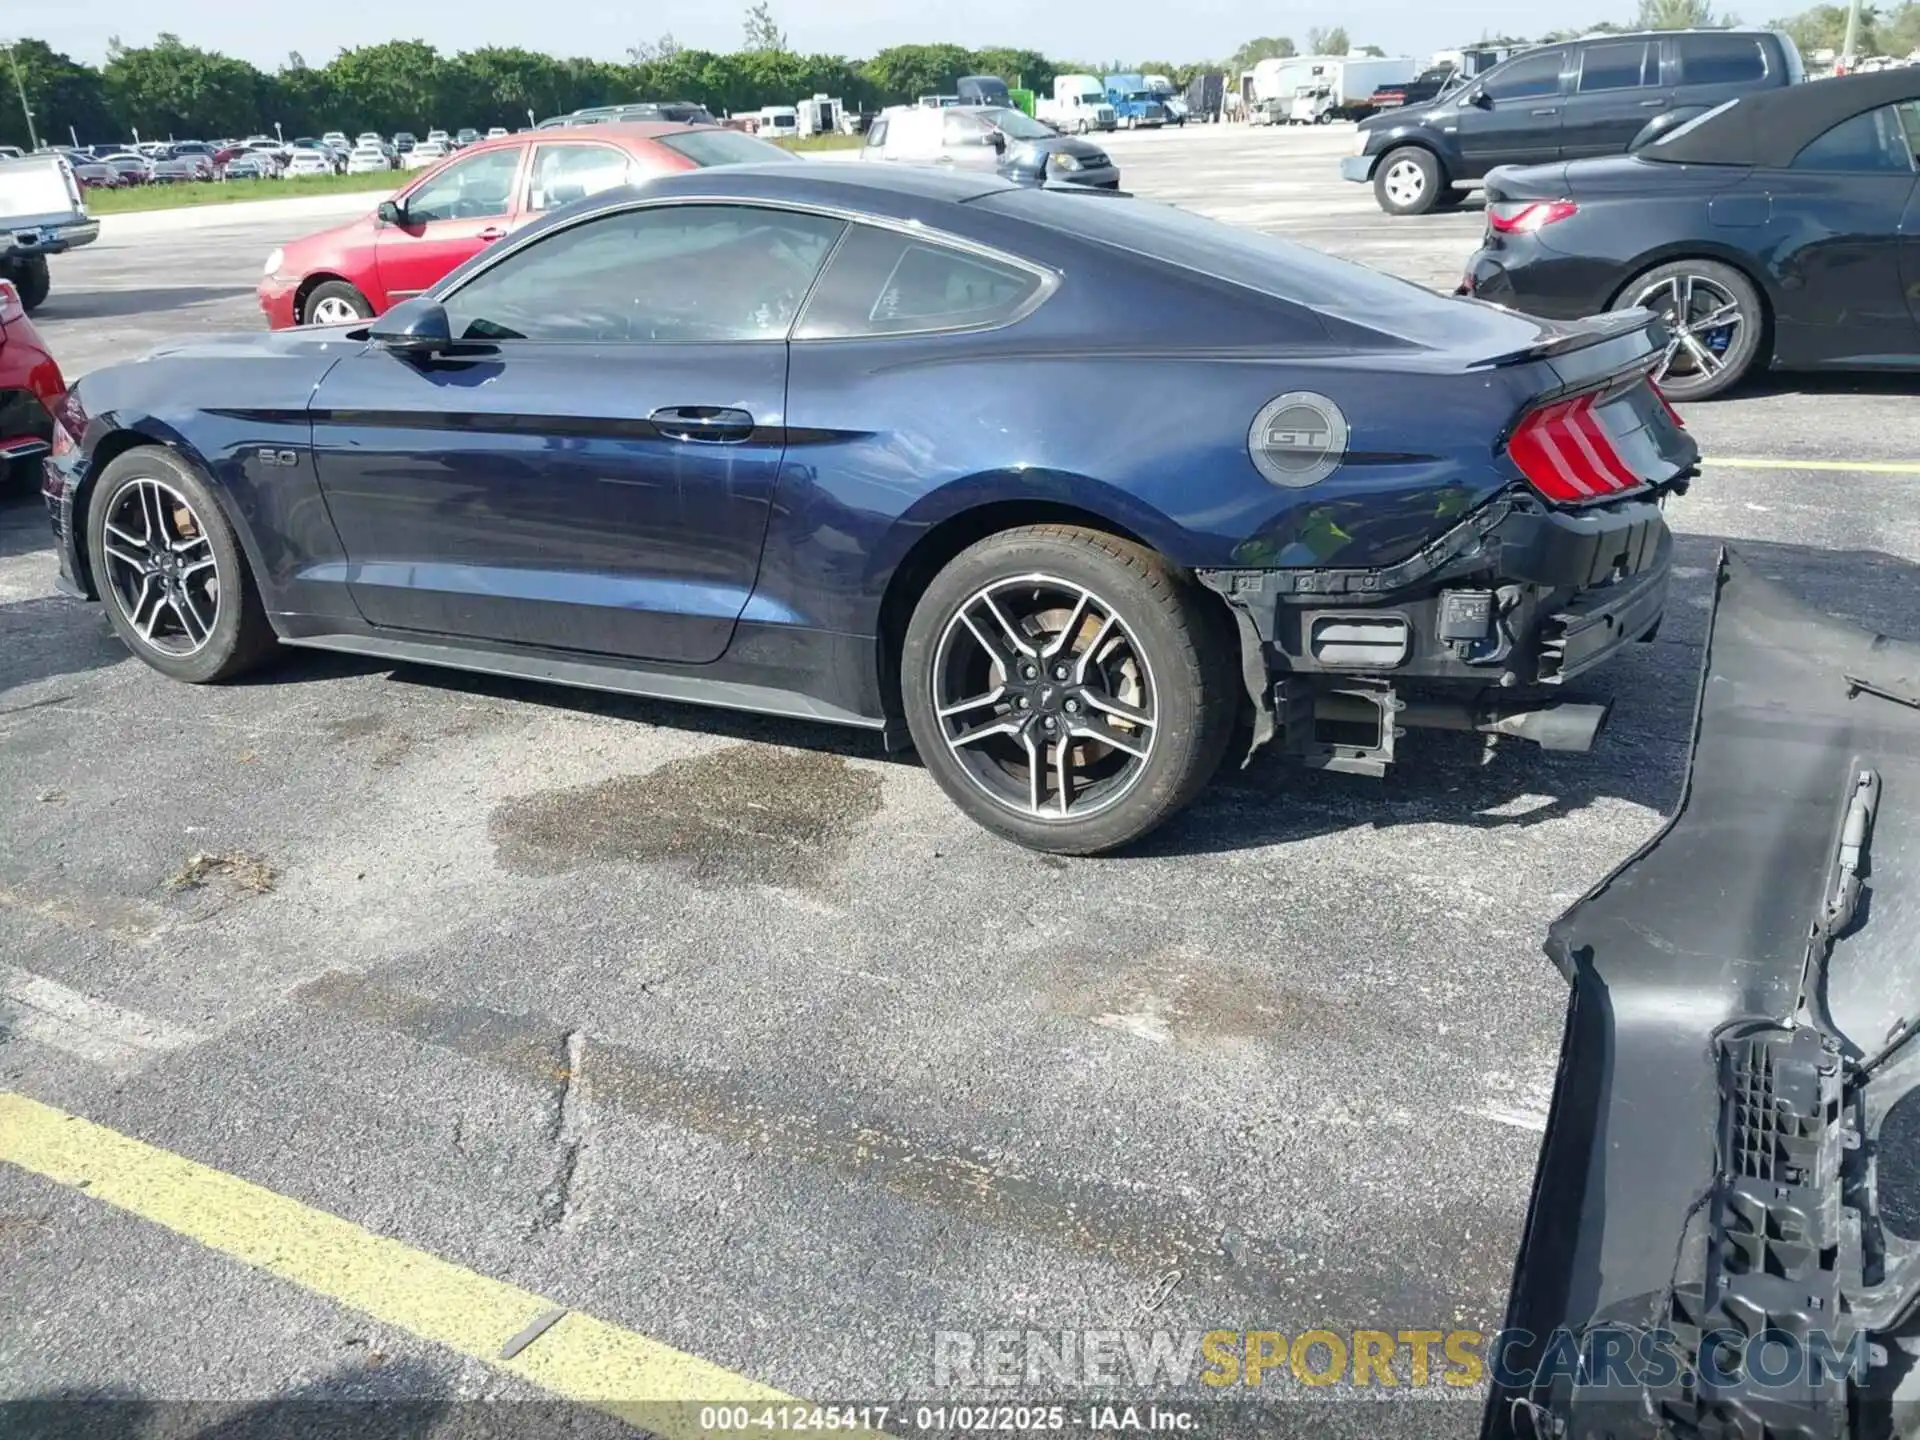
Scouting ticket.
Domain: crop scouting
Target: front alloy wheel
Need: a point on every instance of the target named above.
(1066, 688)
(167, 563)
(160, 567)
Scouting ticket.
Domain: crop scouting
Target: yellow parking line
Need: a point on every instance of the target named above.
(1861, 467)
(639, 1380)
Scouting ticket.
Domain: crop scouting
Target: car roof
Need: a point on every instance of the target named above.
(884, 189)
(1770, 127)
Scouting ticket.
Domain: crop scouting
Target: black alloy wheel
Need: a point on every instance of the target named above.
(1715, 325)
(171, 571)
(1066, 688)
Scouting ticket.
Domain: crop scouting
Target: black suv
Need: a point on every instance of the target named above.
(1601, 95)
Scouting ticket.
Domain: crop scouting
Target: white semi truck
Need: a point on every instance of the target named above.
(1078, 104)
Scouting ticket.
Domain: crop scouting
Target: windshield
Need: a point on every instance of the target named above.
(1015, 125)
(1092, 92)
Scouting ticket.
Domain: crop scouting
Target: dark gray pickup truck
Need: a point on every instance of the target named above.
(1599, 95)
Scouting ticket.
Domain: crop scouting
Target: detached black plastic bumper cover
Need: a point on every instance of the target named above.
(1714, 1245)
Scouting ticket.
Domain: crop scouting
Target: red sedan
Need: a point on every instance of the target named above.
(30, 388)
(471, 199)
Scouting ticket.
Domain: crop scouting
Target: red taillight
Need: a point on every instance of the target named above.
(1565, 452)
(1524, 217)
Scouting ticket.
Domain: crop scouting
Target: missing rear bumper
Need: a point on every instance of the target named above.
(1476, 632)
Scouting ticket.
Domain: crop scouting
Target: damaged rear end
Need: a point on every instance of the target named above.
(1486, 624)
(1724, 1236)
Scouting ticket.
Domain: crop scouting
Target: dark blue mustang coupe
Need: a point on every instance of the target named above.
(1060, 486)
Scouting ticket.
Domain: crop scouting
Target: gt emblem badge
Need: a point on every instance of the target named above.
(1298, 439)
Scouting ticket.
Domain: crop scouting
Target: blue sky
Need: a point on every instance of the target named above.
(1176, 30)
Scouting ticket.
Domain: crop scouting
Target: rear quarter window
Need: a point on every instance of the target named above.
(881, 282)
(1721, 59)
(725, 147)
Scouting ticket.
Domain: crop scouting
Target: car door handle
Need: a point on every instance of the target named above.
(1653, 104)
(1550, 110)
(493, 233)
(708, 424)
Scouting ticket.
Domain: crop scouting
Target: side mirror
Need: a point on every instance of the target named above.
(418, 327)
(997, 141)
(390, 212)
(1480, 100)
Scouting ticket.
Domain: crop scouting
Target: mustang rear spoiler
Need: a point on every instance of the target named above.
(1724, 1234)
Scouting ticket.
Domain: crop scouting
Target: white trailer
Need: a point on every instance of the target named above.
(820, 114)
(1347, 80)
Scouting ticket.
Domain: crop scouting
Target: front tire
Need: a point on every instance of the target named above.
(335, 302)
(1409, 181)
(1067, 689)
(1717, 322)
(171, 572)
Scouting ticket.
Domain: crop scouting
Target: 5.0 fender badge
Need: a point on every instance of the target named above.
(1298, 439)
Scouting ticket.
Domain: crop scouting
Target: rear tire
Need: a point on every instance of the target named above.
(335, 303)
(1409, 181)
(170, 570)
(1723, 335)
(1118, 644)
(31, 278)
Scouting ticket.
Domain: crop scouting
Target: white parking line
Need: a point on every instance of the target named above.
(1859, 467)
(50, 1013)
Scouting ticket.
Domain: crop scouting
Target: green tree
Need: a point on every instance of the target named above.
(761, 30)
(902, 74)
(1900, 31)
(1265, 47)
(1024, 67)
(499, 85)
(1321, 41)
(647, 51)
(1677, 15)
(398, 85)
(1373, 50)
(1824, 27)
(171, 88)
(63, 93)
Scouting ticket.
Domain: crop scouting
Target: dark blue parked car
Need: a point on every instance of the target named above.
(1057, 485)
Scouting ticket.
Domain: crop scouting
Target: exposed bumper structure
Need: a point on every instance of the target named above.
(1724, 1237)
(1478, 631)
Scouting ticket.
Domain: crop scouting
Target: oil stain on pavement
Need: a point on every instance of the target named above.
(741, 815)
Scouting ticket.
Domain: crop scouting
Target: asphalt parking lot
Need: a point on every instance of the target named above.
(733, 1033)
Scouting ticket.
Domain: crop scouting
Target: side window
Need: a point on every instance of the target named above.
(1528, 78)
(960, 128)
(565, 173)
(1910, 122)
(476, 188)
(1617, 67)
(1874, 142)
(876, 134)
(1721, 59)
(885, 283)
(692, 274)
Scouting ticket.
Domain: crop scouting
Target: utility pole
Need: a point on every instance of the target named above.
(33, 140)
(1847, 57)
